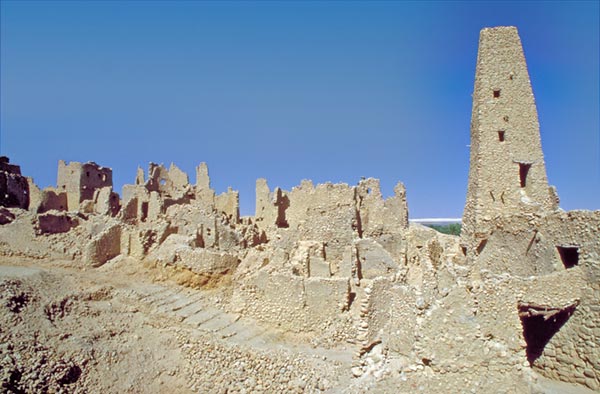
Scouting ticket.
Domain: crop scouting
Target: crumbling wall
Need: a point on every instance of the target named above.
(35, 195)
(205, 196)
(54, 222)
(309, 306)
(268, 212)
(106, 202)
(14, 188)
(52, 199)
(103, 246)
(391, 316)
(80, 181)
(229, 204)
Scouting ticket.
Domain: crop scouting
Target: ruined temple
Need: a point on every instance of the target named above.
(339, 269)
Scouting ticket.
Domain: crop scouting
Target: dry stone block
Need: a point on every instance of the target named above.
(103, 246)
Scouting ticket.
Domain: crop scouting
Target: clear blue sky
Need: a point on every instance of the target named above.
(328, 91)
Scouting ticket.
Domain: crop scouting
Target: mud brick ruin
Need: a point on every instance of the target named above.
(516, 295)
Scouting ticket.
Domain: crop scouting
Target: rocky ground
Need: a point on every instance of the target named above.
(129, 327)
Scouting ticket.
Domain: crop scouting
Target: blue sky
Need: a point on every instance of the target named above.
(328, 91)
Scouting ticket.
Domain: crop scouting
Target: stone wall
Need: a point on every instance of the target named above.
(14, 188)
(80, 181)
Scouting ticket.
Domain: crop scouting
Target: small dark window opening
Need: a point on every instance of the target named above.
(505, 118)
(523, 172)
(569, 255)
(464, 250)
(539, 326)
(144, 211)
(501, 135)
(496, 93)
(481, 246)
(87, 174)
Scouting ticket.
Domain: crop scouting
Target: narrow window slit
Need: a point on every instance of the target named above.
(481, 246)
(523, 172)
(496, 93)
(501, 135)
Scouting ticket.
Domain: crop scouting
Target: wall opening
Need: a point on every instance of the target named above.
(481, 246)
(501, 135)
(144, 211)
(569, 254)
(505, 118)
(496, 93)
(283, 203)
(540, 323)
(523, 172)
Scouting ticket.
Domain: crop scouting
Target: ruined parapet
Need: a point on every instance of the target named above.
(14, 188)
(507, 173)
(327, 213)
(335, 214)
(229, 204)
(205, 196)
(370, 207)
(35, 195)
(270, 206)
(106, 202)
(80, 181)
(171, 183)
(395, 211)
(52, 199)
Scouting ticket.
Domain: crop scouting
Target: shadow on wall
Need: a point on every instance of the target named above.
(540, 324)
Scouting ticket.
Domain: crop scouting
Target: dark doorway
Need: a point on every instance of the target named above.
(540, 323)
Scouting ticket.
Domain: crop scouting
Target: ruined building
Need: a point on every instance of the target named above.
(512, 223)
(339, 268)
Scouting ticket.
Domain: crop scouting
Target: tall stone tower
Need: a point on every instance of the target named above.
(507, 174)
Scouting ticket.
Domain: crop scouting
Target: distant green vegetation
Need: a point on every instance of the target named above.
(452, 229)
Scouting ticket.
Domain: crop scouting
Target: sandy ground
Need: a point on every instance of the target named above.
(130, 328)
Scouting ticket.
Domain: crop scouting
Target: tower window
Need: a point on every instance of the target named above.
(523, 172)
(496, 93)
(569, 255)
(501, 135)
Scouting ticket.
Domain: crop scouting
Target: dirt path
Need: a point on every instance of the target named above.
(108, 321)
